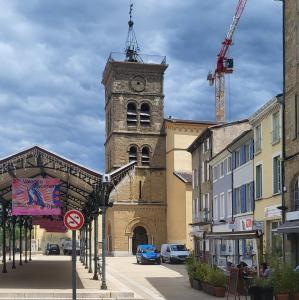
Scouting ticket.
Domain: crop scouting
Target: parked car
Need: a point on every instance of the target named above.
(52, 249)
(67, 247)
(148, 254)
(174, 253)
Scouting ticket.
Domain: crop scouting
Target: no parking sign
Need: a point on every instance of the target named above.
(73, 219)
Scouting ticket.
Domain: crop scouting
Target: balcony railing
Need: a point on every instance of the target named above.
(143, 58)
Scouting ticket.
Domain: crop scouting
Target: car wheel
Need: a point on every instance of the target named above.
(163, 260)
(137, 261)
(159, 262)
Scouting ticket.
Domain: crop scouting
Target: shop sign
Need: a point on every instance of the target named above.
(258, 225)
(245, 224)
(272, 211)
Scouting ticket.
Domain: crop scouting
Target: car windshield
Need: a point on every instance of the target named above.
(178, 248)
(54, 247)
(144, 250)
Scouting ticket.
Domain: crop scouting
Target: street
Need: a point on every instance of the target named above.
(165, 281)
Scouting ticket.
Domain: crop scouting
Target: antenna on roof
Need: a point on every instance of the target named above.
(132, 48)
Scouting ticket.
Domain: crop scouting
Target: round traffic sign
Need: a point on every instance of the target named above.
(73, 219)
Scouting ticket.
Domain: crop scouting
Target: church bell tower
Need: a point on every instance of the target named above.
(134, 102)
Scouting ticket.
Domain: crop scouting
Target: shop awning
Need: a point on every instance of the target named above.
(289, 227)
(234, 235)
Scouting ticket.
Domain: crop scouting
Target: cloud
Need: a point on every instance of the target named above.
(53, 53)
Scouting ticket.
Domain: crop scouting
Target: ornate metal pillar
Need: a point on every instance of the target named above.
(21, 225)
(89, 240)
(26, 238)
(95, 254)
(86, 246)
(13, 242)
(9, 239)
(30, 236)
(4, 270)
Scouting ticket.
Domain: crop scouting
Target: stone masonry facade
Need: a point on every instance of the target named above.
(291, 164)
(140, 199)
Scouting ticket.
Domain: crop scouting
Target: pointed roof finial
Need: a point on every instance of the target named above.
(132, 48)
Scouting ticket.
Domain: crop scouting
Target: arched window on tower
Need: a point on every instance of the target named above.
(145, 159)
(145, 115)
(133, 154)
(296, 194)
(131, 114)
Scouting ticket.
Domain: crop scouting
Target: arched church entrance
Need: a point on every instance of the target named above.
(139, 238)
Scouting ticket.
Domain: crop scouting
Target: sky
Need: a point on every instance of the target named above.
(53, 53)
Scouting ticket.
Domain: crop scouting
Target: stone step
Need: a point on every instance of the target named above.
(87, 294)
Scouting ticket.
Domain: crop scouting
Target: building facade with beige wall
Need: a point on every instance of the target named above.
(179, 136)
(267, 128)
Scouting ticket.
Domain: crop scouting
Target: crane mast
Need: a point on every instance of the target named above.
(224, 65)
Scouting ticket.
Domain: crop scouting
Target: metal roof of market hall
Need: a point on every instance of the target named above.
(78, 184)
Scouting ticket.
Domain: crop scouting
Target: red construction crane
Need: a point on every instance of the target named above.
(224, 65)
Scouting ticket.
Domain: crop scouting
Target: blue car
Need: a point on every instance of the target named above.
(148, 254)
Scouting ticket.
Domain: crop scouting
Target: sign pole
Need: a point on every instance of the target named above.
(74, 220)
(74, 276)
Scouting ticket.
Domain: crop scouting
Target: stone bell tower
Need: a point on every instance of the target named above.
(134, 131)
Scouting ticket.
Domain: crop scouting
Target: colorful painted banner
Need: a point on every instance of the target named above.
(36, 196)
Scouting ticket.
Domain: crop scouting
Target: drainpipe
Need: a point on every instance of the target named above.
(232, 188)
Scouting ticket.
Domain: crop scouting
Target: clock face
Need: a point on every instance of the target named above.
(138, 83)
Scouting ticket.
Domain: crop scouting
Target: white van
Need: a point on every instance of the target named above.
(174, 253)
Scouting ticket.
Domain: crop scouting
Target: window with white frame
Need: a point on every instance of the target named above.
(202, 171)
(197, 207)
(215, 208)
(248, 197)
(193, 178)
(275, 127)
(206, 205)
(237, 158)
(258, 181)
(229, 164)
(215, 173)
(258, 138)
(222, 206)
(229, 203)
(247, 152)
(238, 200)
(207, 171)
(222, 169)
(276, 175)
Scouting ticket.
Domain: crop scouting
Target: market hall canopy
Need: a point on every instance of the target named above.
(79, 185)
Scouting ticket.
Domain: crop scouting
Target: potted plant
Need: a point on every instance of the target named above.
(295, 286)
(261, 289)
(191, 264)
(199, 276)
(217, 279)
(282, 281)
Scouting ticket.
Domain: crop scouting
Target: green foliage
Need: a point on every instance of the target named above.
(191, 264)
(262, 282)
(282, 277)
(216, 277)
(201, 272)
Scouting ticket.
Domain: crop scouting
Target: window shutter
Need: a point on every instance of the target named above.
(252, 196)
(243, 198)
(251, 149)
(234, 202)
(243, 154)
(234, 160)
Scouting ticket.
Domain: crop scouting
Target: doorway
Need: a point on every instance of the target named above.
(139, 238)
